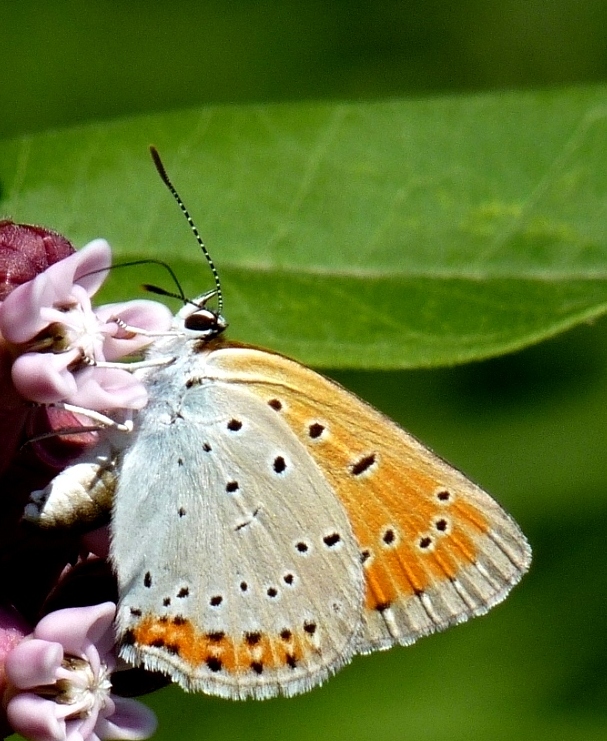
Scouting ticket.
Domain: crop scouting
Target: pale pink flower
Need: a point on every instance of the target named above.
(61, 343)
(59, 681)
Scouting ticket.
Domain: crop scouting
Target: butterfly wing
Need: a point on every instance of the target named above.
(435, 549)
(238, 569)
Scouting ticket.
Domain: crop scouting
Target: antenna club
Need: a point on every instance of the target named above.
(159, 166)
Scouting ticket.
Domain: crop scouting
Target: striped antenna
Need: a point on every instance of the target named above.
(167, 181)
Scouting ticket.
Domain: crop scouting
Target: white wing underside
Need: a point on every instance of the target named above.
(206, 512)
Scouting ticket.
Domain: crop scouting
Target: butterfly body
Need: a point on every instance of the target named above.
(268, 525)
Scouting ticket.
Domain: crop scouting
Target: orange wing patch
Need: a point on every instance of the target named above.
(253, 652)
(412, 528)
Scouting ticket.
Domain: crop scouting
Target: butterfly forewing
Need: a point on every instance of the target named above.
(434, 548)
(262, 592)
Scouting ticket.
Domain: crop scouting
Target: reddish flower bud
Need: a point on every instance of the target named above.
(25, 251)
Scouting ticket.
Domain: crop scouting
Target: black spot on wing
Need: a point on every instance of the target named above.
(214, 663)
(362, 464)
(315, 430)
(291, 661)
(279, 464)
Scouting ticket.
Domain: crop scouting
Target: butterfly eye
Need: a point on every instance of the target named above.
(205, 322)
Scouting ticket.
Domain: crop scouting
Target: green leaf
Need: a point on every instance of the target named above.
(387, 235)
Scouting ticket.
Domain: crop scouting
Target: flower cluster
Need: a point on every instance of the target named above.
(59, 681)
(59, 373)
(62, 345)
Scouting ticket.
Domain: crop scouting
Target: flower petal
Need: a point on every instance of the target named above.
(35, 718)
(104, 389)
(20, 312)
(83, 728)
(131, 720)
(73, 731)
(44, 378)
(91, 271)
(33, 662)
(147, 315)
(20, 318)
(76, 628)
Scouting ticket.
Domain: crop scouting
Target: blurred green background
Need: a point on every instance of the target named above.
(530, 428)
(74, 60)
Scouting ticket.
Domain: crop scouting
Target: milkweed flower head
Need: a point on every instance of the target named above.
(61, 344)
(60, 358)
(58, 681)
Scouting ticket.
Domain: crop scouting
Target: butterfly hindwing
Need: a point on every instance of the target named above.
(246, 578)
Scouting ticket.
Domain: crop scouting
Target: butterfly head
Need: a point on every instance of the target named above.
(196, 319)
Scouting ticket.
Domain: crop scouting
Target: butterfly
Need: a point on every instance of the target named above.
(268, 524)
